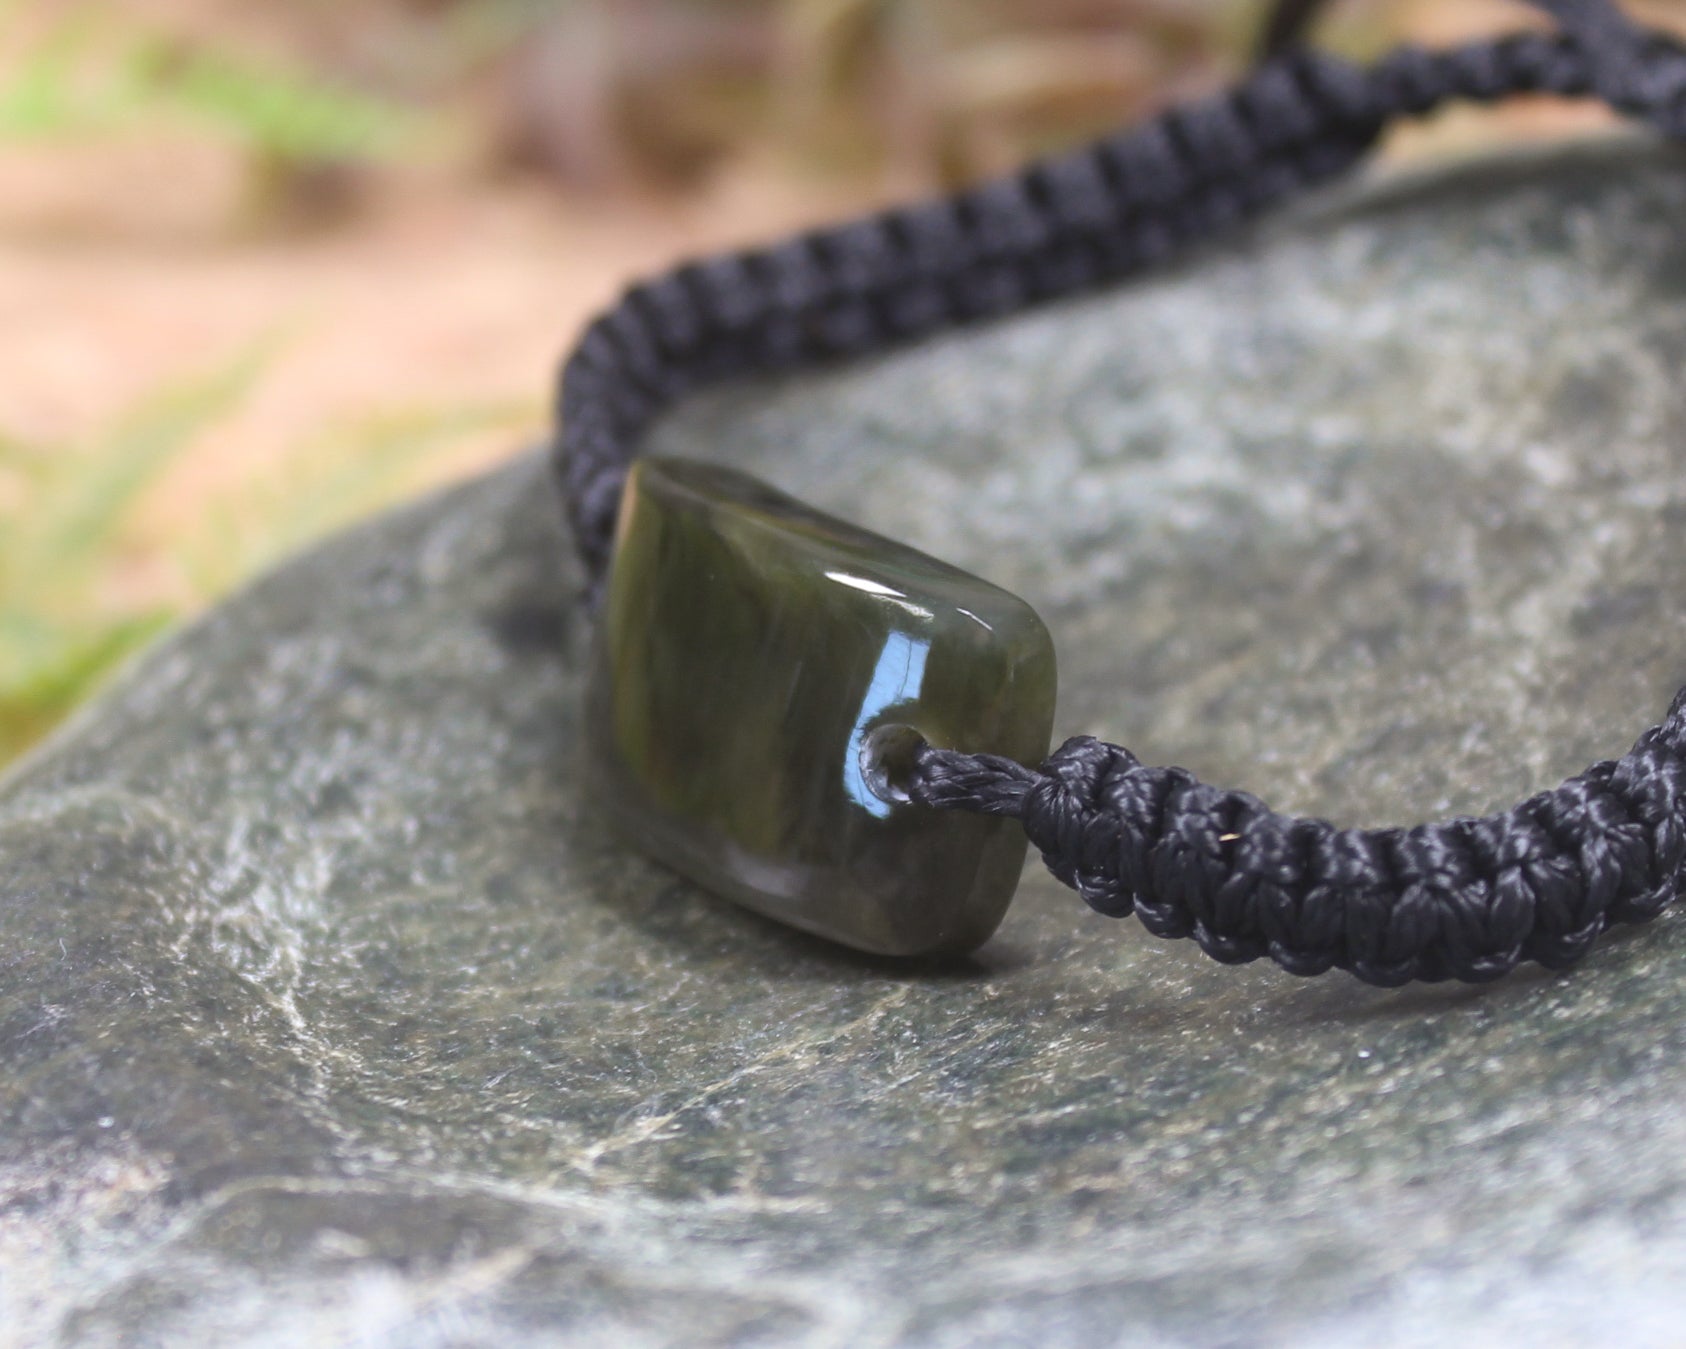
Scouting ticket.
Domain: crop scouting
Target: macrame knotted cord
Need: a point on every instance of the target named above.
(1466, 899)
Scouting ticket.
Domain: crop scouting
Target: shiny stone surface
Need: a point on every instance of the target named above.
(753, 655)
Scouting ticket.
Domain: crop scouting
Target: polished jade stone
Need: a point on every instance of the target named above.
(757, 664)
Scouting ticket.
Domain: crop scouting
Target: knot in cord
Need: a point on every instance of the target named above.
(1636, 70)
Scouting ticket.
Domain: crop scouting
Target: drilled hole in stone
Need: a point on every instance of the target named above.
(887, 761)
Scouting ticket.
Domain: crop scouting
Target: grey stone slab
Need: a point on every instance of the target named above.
(329, 1016)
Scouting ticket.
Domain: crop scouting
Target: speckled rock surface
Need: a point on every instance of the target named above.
(329, 1017)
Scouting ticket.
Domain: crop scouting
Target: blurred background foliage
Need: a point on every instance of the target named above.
(267, 266)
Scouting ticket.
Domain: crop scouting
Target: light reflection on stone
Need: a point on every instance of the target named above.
(895, 681)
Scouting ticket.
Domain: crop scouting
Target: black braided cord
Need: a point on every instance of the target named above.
(1466, 899)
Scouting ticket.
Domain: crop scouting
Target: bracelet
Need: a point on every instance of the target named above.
(835, 729)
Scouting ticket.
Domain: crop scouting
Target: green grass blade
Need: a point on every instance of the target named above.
(289, 116)
(82, 507)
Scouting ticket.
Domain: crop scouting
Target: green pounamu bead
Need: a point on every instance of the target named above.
(759, 663)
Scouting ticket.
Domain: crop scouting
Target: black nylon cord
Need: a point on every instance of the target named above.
(1466, 899)
(1286, 26)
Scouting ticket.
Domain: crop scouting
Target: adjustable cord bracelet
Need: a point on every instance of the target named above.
(835, 729)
